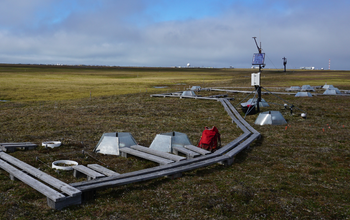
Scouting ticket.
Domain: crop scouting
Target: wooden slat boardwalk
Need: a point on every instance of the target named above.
(158, 153)
(223, 155)
(11, 147)
(47, 185)
(125, 151)
(189, 153)
(81, 170)
(40, 175)
(32, 182)
(101, 178)
(178, 95)
(197, 149)
(103, 170)
(247, 92)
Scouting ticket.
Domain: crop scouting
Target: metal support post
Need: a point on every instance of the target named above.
(258, 89)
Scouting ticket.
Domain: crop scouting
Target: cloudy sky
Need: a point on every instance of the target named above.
(204, 33)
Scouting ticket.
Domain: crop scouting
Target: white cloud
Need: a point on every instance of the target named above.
(109, 32)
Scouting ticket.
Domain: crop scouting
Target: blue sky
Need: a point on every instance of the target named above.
(205, 33)
(184, 10)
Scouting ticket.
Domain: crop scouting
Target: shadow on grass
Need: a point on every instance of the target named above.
(242, 156)
(123, 190)
(206, 170)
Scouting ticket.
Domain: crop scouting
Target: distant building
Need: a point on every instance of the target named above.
(307, 68)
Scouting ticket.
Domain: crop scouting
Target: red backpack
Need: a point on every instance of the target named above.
(210, 139)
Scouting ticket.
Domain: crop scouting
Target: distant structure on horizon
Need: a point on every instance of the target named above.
(284, 63)
(307, 68)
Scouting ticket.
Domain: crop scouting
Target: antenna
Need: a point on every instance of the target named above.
(329, 64)
(259, 48)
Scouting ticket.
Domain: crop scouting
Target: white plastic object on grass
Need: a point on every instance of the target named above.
(67, 164)
(51, 144)
(303, 115)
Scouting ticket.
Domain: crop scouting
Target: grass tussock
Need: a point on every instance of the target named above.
(298, 170)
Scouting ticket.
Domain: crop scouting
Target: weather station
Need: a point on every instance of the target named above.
(258, 59)
(252, 106)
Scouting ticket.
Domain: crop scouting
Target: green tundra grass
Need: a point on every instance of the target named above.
(298, 170)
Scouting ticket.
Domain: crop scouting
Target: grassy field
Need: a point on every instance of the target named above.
(300, 170)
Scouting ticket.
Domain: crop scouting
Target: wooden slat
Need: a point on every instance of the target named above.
(30, 181)
(11, 147)
(102, 170)
(179, 96)
(157, 153)
(64, 187)
(14, 143)
(197, 149)
(87, 171)
(240, 91)
(19, 145)
(188, 153)
(145, 155)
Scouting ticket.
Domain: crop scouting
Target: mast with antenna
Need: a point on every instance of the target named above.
(258, 59)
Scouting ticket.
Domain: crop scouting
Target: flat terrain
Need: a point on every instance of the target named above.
(300, 170)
